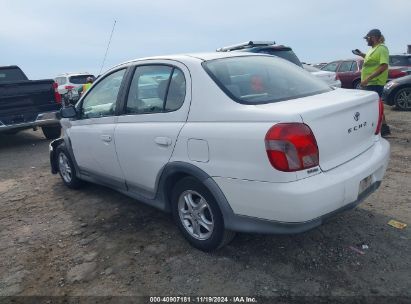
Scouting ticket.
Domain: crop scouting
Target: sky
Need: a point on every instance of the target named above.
(46, 38)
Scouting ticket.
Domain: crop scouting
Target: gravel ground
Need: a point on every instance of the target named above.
(95, 241)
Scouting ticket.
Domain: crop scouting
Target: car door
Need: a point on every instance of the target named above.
(345, 74)
(92, 135)
(155, 110)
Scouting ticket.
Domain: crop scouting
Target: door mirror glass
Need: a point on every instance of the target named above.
(68, 112)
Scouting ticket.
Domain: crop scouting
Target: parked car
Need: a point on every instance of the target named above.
(26, 104)
(68, 81)
(400, 60)
(398, 93)
(319, 65)
(231, 142)
(330, 78)
(264, 47)
(349, 72)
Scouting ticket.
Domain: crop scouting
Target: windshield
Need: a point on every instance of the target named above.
(80, 79)
(262, 79)
(400, 60)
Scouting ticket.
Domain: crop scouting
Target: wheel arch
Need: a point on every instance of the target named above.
(175, 171)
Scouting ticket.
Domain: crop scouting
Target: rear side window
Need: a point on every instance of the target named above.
(345, 66)
(262, 79)
(80, 79)
(400, 60)
(354, 66)
(331, 67)
(156, 89)
(11, 74)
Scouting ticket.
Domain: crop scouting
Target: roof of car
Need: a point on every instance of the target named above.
(73, 74)
(192, 56)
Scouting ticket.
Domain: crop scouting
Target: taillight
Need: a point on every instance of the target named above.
(69, 87)
(291, 147)
(336, 77)
(397, 73)
(57, 96)
(380, 116)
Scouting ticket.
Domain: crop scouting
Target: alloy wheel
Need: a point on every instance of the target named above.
(65, 168)
(403, 99)
(195, 215)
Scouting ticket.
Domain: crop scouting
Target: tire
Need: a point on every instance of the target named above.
(356, 84)
(402, 99)
(66, 168)
(192, 219)
(51, 132)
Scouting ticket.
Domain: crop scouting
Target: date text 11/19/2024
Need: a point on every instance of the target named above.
(203, 299)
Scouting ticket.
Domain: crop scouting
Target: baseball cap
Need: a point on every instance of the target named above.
(373, 32)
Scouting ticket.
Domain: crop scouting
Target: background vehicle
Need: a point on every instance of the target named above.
(27, 103)
(349, 72)
(400, 60)
(328, 77)
(227, 142)
(68, 81)
(398, 93)
(264, 47)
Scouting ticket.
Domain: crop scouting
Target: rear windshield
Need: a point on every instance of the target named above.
(400, 60)
(80, 79)
(11, 74)
(262, 79)
(286, 54)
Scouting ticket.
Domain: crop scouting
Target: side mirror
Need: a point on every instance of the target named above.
(68, 112)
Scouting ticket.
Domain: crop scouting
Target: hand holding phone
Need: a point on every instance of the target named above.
(356, 52)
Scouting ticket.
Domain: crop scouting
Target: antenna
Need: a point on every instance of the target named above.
(108, 46)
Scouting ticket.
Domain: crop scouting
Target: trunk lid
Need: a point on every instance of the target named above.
(343, 122)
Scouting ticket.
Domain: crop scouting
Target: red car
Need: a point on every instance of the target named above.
(349, 72)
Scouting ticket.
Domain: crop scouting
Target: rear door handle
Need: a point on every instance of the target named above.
(163, 141)
(106, 138)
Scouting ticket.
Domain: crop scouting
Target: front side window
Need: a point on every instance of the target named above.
(262, 79)
(354, 66)
(101, 100)
(331, 67)
(156, 89)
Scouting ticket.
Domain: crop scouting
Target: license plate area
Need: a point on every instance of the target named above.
(365, 184)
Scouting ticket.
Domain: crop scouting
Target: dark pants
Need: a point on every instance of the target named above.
(376, 88)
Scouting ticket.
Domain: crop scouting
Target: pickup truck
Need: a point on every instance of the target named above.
(26, 104)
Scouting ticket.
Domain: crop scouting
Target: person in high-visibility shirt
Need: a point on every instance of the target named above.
(86, 86)
(374, 73)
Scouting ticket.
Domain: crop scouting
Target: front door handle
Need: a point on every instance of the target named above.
(163, 141)
(106, 138)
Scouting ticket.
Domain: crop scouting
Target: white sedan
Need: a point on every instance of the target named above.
(330, 78)
(226, 142)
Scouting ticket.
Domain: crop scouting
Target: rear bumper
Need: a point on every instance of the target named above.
(301, 205)
(42, 119)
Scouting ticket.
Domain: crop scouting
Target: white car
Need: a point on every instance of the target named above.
(226, 142)
(70, 81)
(330, 78)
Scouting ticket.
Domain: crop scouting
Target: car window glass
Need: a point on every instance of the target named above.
(345, 66)
(354, 66)
(148, 89)
(176, 91)
(262, 79)
(285, 54)
(101, 100)
(331, 67)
